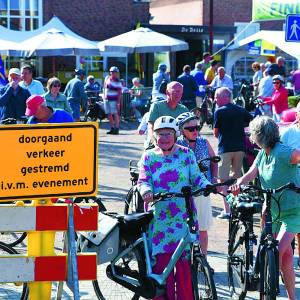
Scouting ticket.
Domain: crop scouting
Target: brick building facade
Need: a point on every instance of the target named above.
(97, 19)
(190, 20)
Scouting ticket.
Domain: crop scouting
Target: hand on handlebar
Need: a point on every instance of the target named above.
(148, 197)
(235, 188)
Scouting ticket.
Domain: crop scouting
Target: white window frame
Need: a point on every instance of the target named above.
(22, 15)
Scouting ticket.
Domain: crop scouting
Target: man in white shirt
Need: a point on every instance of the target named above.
(222, 80)
(33, 86)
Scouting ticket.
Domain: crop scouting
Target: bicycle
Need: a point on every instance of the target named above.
(245, 272)
(133, 201)
(131, 266)
(207, 108)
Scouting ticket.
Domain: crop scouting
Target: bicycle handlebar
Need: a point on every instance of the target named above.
(290, 185)
(187, 191)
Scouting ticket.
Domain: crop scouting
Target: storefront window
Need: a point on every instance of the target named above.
(3, 7)
(20, 14)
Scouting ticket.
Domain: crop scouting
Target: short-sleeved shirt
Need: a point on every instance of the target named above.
(34, 88)
(230, 120)
(276, 170)
(291, 137)
(160, 109)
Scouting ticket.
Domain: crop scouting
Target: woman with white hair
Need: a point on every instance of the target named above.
(276, 165)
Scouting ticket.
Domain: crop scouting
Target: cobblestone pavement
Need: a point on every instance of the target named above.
(114, 155)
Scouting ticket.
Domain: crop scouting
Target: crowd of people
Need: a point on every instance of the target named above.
(174, 145)
(162, 169)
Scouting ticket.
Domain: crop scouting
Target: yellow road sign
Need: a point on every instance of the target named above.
(48, 160)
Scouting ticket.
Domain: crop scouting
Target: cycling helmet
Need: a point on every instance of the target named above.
(278, 77)
(185, 117)
(166, 122)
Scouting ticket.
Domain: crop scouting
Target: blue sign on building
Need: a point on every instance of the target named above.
(292, 28)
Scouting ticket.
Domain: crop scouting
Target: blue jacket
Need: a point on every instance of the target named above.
(74, 91)
(13, 103)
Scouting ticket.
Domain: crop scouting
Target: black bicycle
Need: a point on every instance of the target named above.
(133, 201)
(246, 272)
(207, 108)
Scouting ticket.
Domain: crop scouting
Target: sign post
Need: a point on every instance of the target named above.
(44, 161)
(292, 28)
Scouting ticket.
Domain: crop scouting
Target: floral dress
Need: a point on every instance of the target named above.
(169, 173)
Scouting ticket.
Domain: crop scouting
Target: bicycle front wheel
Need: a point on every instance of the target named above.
(12, 289)
(133, 202)
(203, 281)
(236, 262)
(270, 285)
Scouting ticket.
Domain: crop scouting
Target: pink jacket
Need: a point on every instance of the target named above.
(279, 99)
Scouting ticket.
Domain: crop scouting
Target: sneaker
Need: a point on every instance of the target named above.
(112, 130)
(223, 215)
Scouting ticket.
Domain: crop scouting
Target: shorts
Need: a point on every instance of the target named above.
(204, 212)
(289, 219)
(110, 107)
(233, 161)
(75, 109)
(199, 101)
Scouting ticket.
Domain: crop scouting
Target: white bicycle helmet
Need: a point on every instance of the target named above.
(185, 117)
(278, 77)
(165, 122)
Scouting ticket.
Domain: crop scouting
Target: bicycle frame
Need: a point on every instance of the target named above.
(190, 238)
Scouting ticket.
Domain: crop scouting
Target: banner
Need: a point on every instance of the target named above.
(263, 10)
(261, 47)
(3, 80)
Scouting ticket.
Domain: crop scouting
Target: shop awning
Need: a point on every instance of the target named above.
(277, 38)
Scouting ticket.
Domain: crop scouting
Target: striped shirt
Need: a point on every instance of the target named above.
(113, 89)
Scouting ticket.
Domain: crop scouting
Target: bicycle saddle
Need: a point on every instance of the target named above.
(134, 221)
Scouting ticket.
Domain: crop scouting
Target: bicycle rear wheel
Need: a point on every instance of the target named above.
(270, 286)
(133, 202)
(236, 262)
(106, 289)
(22, 288)
(203, 281)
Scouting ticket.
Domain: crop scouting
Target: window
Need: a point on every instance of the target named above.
(21, 15)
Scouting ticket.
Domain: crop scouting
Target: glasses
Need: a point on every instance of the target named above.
(276, 82)
(165, 134)
(193, 128)
(56, 85)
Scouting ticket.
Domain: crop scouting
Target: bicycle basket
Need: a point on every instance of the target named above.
(105, 241)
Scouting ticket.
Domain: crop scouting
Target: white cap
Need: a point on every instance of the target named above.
(14, 71)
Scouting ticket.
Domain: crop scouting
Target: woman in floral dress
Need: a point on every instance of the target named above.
(167, 168)
(189, 126)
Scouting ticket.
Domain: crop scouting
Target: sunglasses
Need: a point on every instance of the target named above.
(276, 82)
(193, 128)
(56, 85)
